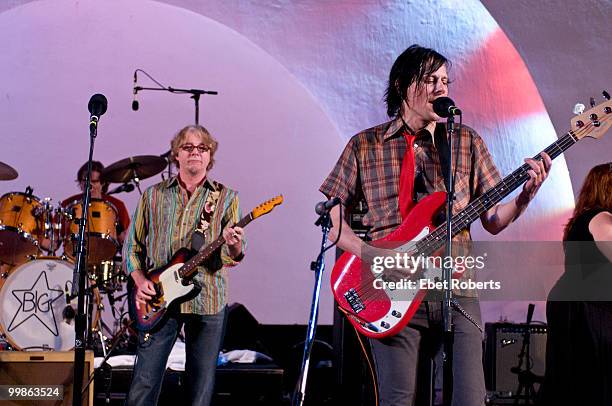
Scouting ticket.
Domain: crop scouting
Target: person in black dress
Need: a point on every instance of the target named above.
(579, 307)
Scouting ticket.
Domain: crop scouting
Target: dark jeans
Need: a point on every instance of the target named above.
(203, 337)
(396, 357)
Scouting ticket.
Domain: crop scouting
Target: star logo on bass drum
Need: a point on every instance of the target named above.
(37, 302)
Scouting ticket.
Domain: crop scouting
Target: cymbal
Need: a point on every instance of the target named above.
(7, 172)
(142, 167)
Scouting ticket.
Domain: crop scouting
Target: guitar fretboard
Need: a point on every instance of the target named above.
(437, 238)
(190, 267)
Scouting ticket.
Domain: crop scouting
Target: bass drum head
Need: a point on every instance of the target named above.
(32, 302)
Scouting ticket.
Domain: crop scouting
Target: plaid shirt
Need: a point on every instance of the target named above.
(370, 165)
(164, 222)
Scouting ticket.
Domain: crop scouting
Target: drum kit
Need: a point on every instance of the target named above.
(36, 312)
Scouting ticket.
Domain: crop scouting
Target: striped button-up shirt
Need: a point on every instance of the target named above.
(165, 220)
(369, 168)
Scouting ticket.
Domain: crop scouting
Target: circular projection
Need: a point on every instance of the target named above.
(274, 138)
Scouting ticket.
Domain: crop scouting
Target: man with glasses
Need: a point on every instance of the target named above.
(189, 210)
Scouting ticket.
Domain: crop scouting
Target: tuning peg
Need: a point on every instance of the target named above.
(579, 108)
(606, 95)
(592, 102)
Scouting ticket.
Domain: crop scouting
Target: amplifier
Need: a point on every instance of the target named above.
(44, 368)
(503, 346)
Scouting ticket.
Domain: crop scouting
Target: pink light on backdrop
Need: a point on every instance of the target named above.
(494, 81)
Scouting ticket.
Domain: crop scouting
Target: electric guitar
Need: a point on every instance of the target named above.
(377, 311)
(173, 282)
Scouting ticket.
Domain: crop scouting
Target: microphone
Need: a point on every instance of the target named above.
(126, 187)
(67, 293)
(445, 106)
(324, 207)
(135, 104)
(68, 314)
(97, 107)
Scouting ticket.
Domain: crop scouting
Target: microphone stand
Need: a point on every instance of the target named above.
(195, 95)
(80, 271)
(447, 274)
(318, 266)
(526, 377)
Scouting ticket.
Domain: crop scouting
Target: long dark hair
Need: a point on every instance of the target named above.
(596, 193)
(411, 66)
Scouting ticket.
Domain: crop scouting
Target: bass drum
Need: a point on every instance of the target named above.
(33, 304)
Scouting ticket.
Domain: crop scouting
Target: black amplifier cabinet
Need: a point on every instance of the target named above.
(503, 346)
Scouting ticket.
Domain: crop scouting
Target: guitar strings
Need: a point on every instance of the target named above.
(435, 240)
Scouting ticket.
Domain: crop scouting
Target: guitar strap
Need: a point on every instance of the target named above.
(198, 237)
(441, 140)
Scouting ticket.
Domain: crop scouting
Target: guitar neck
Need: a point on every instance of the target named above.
(436, 239)
(189, 268)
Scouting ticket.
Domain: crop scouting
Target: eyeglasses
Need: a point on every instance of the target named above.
(201, 148)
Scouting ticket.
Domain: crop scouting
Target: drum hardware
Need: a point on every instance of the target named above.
(166, 155)
(108, 275)
(7, 172)
(125, 187)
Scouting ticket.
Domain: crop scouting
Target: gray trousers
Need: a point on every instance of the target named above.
(396, 357)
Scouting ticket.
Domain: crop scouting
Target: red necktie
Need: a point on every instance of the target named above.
(406, 184)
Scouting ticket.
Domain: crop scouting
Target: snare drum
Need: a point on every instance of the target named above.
(32, 302)
(101, 234)
(21, 227)
(108, 275)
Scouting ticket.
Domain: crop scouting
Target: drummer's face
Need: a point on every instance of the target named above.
(195, 162)
(96, 185)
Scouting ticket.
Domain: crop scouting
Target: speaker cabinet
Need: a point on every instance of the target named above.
(503, 346)
(44, 368)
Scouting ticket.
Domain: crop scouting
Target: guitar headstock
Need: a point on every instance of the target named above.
(266, 207)
(593, 122)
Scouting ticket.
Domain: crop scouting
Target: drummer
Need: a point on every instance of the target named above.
(98, 191)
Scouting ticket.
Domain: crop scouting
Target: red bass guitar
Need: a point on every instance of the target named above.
(380, 312)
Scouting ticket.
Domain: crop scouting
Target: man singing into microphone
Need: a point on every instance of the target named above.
(394, 165)
(189, 210)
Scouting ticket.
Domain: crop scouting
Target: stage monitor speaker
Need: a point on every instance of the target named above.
(44, 368)
(503, 346)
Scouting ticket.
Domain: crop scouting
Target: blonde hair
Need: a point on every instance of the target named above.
(205, 137)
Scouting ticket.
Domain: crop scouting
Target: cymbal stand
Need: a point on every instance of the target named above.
(166, 156)
(136, 180)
